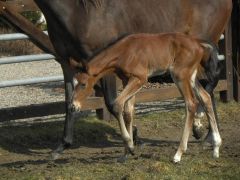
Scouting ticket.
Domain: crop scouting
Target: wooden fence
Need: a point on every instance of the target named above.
(11, 11)
(236, 49)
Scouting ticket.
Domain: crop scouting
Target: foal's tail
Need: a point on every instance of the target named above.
(211, 66)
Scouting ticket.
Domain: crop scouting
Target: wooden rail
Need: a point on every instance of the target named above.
(148, 95)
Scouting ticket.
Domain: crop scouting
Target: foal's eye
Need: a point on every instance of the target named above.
(81, 85)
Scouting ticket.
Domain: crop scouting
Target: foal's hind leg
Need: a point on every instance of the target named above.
(184, 85)
(128, 118)
(205, 100)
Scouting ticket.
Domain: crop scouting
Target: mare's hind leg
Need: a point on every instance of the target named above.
(198, 130)
(134, 84)
(184, 85)
(213, 72)
(205, 100)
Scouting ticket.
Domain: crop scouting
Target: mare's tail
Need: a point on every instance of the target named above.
(211, 66)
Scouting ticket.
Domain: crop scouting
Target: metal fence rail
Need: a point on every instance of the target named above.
(25, 58)
(15, 36)
(29, 81)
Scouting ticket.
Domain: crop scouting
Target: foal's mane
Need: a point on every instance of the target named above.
(87, 3)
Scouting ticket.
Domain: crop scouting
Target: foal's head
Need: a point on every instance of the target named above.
(83, 89)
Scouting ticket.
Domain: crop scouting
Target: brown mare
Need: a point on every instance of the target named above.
(137, 57)
(80, 28)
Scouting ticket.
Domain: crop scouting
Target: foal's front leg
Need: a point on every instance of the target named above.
(134, 84)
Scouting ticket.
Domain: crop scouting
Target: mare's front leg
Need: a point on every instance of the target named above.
(213, 73)
(108, 85)
(67, 138)
(133, 85)
(198, 130)
(210, 135)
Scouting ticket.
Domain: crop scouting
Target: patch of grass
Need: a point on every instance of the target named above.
(135, 169)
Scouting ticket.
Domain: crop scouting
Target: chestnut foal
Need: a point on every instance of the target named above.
(137, 57)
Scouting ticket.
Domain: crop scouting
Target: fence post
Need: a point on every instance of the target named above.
(228, 95)
(236, 49)
(104, 113)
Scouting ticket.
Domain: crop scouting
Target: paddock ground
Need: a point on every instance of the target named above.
(25, 149)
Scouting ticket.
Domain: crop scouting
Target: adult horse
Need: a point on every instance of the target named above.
(81, 28)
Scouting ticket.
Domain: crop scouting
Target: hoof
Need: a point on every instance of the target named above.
(216, 153)
(55, 155)
(216, 148)
(131, 151)
(57, 152)
(217, 143)
(177, 158)
(198, 131)
(122, 159)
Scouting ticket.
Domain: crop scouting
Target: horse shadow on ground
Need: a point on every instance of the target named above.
(105, 158)
(26, 137)
(39, 139)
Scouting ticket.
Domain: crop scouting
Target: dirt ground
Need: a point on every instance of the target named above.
(25, 149)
